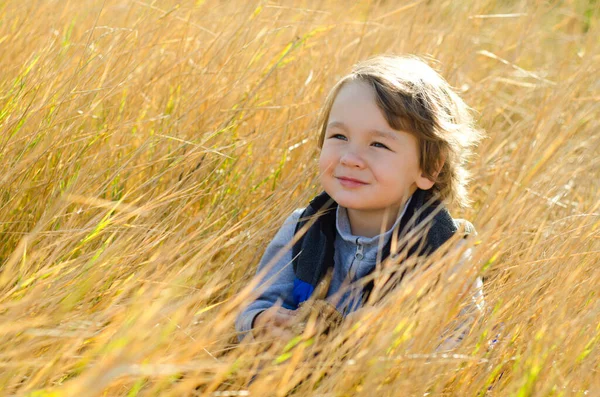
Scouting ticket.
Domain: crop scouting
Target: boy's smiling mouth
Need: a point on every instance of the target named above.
(350, 182)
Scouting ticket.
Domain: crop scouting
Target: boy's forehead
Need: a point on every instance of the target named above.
(355, 106)
(354, 96)
(357, 100)
(356, 87)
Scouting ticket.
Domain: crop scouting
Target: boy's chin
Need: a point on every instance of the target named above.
(354, 205)
(357, 205)
(347, 199)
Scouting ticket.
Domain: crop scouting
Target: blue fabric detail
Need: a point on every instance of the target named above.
(302, 291)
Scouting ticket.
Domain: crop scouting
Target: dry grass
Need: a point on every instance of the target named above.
(149, 150)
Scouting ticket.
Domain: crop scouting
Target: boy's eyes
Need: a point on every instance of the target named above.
(338, 136)
(343, 137)
(381, 145)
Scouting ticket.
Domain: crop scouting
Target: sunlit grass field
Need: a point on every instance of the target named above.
(150, 149)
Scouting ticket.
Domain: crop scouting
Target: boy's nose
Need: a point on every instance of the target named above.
(352, 159)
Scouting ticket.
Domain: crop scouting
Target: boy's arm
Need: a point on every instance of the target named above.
(469, 314)
(473, 310)
(460, 327)
(279, 278)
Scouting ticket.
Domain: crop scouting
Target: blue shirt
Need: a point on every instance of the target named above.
(355, 256)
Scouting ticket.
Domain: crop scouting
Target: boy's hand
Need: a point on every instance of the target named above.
(275, 321)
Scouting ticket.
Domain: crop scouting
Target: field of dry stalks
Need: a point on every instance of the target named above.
(150, 149)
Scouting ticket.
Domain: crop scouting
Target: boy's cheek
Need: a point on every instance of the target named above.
(325, 164)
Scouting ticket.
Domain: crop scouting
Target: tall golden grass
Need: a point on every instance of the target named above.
(150, 150)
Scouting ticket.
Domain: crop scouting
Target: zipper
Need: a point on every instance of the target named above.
(358, 255)
(359, 251)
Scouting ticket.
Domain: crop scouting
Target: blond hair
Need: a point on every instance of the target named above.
(416, 99)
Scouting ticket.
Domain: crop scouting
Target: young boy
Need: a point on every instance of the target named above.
(394, 141)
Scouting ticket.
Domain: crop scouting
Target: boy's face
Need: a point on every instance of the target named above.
(365, 164)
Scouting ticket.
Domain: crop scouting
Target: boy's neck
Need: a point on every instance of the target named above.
(371, 223)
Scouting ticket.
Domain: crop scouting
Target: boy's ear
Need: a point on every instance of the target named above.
(424, 183)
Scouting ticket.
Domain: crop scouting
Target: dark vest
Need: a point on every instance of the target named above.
(313, 254)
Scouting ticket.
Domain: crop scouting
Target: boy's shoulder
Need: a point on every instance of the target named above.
(296, 214)
(292, 220)
(442, 226)
(464, 225)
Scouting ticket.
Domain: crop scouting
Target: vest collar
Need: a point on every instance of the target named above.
(314, 253)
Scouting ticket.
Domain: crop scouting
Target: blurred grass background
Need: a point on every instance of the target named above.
(149, 151)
